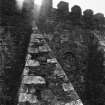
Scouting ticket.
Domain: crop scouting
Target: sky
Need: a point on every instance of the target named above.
(96, 5)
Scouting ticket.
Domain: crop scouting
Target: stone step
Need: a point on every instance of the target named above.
(43, 79)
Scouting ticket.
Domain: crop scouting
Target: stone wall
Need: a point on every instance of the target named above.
(13, 48)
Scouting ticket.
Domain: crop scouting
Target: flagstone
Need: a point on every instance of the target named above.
(32, 63)
(33, 80)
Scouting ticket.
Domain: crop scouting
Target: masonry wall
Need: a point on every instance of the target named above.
(15, 33)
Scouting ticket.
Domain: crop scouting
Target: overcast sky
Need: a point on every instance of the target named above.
(96, 5)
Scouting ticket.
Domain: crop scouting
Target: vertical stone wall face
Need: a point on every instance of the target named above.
(13, 47)
(15, 33)
(74, 41)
